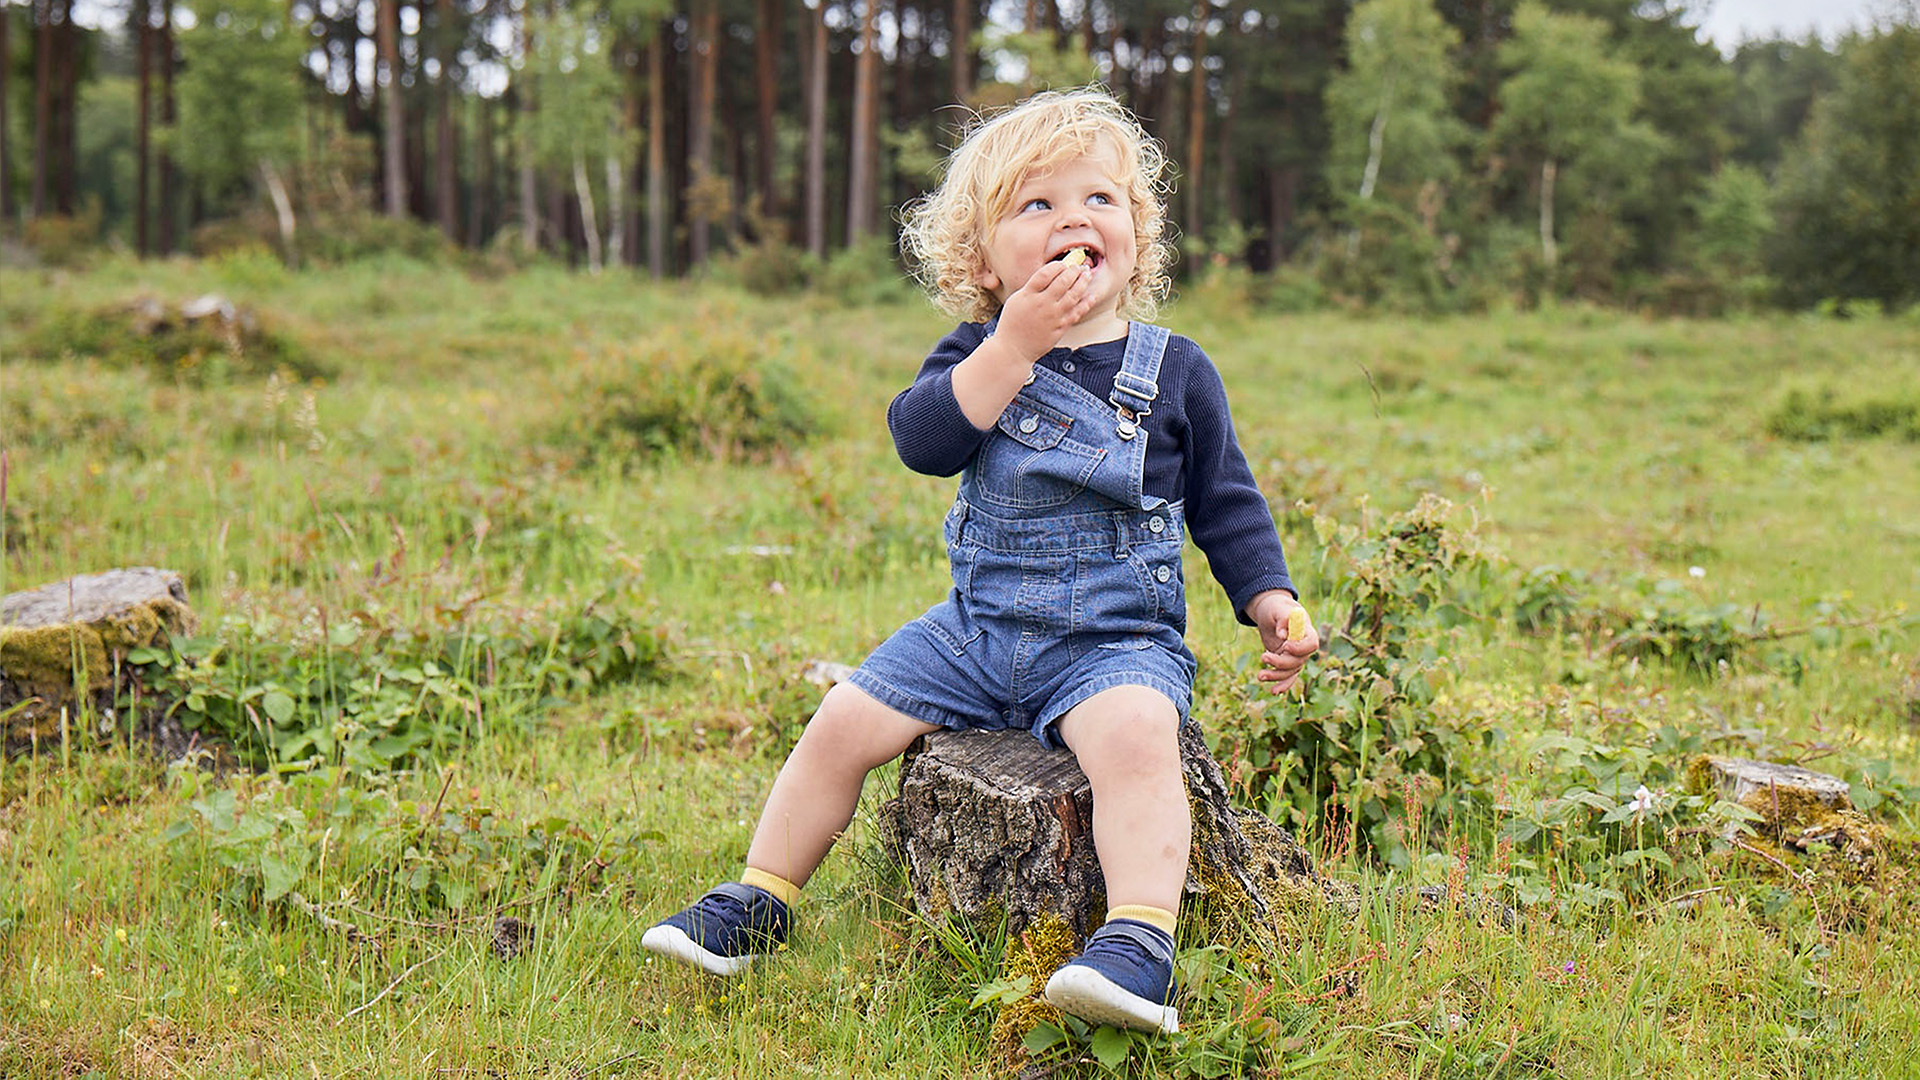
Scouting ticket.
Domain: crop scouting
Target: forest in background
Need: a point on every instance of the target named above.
(1419, 155)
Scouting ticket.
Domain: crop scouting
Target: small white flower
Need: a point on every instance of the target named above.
(1642, 800)
(1696, 571)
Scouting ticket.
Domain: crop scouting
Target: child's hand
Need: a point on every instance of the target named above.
(1053, 299)
(1286, 646)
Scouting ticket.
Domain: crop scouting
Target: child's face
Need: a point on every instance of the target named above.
(1076, 204)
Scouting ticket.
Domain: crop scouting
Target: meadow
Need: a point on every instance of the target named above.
(507, 582)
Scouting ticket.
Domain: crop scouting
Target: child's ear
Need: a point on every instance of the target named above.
(987, 280)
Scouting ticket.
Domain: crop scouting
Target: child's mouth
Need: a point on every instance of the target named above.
(1092, 260)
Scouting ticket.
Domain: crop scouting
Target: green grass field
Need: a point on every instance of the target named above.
(507, 603)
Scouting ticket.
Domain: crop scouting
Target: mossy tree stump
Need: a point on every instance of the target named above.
(62, 646)
(992, 825)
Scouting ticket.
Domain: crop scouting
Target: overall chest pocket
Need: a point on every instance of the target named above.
(1031, 460)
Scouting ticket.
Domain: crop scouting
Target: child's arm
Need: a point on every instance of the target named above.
(1287, 637)
(1031, 322)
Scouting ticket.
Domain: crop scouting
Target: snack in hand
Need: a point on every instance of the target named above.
(1297, 624)
(1076, 257)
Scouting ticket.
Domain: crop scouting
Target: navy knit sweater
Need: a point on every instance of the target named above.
(1192, 453)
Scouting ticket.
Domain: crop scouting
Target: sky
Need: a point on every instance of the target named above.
(1727, 22)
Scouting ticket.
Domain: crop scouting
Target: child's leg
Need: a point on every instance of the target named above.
(814, 796)
(812, 800)
(1127, 741)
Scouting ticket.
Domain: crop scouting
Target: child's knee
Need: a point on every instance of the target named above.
(851, 726)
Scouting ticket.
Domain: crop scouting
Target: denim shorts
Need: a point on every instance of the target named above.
(1044, 614)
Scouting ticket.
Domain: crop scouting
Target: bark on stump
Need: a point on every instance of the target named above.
(992, 825)
(63, 645)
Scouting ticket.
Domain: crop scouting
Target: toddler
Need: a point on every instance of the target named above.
(1090, 445)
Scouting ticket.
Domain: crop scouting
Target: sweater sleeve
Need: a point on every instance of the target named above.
(1227, 515)
(930, 433)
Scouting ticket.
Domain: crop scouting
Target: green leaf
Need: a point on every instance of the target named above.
(1110, 1046)
(280, 877)
(1043, 1037)
(278, 705)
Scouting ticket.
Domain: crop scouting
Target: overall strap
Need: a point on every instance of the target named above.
(1136, 384)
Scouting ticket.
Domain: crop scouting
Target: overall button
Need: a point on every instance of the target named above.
(1127, 429)
(1163, 575)
(1029, 425)
(1066, 366)
(1156, 524)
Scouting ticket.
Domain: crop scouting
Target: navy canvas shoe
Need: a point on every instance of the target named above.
(1123, 978)
(723, 931)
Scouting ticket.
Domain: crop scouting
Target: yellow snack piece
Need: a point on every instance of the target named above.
(1297, 624)
(1075, 257)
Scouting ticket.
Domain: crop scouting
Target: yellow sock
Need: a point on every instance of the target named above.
(1157, 917)
(783, 890)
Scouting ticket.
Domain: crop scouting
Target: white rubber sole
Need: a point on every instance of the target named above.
(1080, 991)
(673, 941)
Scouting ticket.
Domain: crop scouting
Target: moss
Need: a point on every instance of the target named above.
(1039, 951)
(54, 667)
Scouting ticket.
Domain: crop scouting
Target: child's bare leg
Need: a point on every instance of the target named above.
(814, 796)
(1127, 742)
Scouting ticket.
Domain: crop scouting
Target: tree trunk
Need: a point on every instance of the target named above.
(6, 145)
(589, 222)
(705, 25)
(164, 163)
(860, 170)
(766, 72)
(42, 102)
(529, 188)
(1549, 251)
(393, 134)
(283, 212)
(1196, 130)
(961, 49)
(817, 135)
(1376, 142)
(616, 200)
(1283, 187)
(657, 222)
(446, 159)
(482, 173)
(992, 824)
(143, 122)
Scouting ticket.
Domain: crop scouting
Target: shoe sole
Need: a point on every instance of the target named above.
(673, 941)
(1080, 991)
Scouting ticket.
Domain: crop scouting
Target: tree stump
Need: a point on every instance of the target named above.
(61, 646)
(993, 825)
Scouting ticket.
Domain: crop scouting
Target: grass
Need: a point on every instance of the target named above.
(448, 474)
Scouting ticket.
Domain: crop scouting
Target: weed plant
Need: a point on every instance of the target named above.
(484, 661)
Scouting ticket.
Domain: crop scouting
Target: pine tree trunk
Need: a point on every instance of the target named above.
(164, 163)
(817, 135)
(766, 70)
(283, 212)
(705, 54)
(657, 222)
(394, 126)
(6, 144)
(616, 201)
(446, 158)
(482, 202)
(961, 50)
(143, 122)
(42, 102)
(860, 170)
(1196, 131)
(523, 150)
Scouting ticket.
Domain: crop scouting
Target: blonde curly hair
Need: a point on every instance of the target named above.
(945, 232)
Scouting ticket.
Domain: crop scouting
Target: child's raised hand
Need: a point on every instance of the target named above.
(1053, 299)
(1287, 638)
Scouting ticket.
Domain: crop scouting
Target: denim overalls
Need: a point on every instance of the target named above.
(1066, 575)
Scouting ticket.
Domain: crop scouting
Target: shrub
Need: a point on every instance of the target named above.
(722, 392)
(866, 274)
(1820, 415)
(148, 333)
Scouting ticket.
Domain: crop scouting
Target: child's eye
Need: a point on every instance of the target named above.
(1100, 198)
(1035, 204)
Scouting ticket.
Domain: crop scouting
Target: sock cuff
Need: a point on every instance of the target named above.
(1159, 918)
(783, 890)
